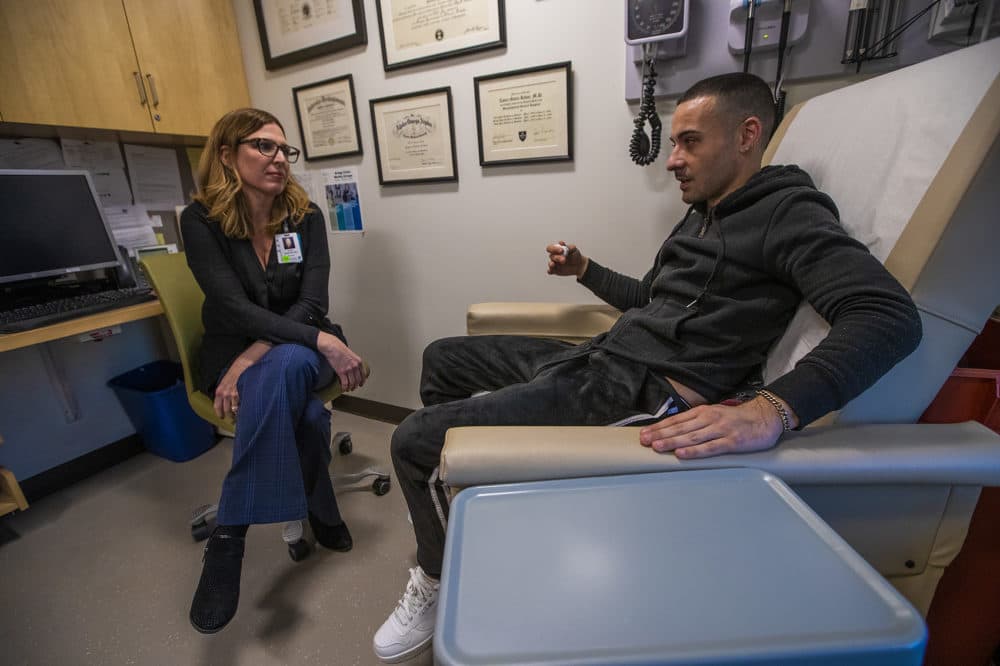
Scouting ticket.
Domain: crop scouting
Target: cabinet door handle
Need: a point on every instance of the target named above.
(152, 90)
(142, 91)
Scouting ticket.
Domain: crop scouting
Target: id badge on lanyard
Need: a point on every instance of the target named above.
(289, 246)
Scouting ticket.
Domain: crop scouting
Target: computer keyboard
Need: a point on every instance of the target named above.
(50, 312)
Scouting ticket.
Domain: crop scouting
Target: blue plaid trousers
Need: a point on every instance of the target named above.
(281, 451)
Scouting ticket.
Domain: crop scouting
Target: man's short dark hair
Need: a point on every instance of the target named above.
(739, 96)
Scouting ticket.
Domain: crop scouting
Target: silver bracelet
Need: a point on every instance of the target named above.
(786, 424)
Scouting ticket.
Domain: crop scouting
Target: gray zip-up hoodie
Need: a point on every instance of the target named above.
(726, 283)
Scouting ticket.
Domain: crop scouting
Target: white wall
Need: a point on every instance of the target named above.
(431, 250)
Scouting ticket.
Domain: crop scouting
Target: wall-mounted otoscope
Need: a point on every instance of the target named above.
(779, 92)
(763, 25)
(748, 35)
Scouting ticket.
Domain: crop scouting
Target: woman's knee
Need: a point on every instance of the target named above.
(292, 363)
(316, 416)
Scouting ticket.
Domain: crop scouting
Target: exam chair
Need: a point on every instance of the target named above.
(182, 301)
(912, 159)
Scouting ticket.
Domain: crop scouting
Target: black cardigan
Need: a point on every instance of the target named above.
(287, 303)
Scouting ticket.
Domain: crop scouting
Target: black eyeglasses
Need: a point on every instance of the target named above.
(270, 148)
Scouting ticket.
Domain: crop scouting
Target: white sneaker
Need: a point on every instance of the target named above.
(410, 628)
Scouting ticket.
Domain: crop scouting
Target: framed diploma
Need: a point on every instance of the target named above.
(414, 137)
(328, 118)
(292, 31)
(525, 115)
(419, 31)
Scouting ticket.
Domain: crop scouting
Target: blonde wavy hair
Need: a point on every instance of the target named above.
(220, 189)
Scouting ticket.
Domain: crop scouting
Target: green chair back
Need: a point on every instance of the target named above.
(182, 298)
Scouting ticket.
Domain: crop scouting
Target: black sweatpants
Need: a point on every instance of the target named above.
(532, 381)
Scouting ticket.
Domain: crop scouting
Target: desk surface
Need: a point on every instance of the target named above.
(80, 325)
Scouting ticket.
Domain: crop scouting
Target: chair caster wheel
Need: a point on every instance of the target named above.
(201, 530)
(381, 485)
(299, 550)
(344, 443)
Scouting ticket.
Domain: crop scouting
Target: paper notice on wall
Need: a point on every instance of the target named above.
(112, 187)
(134, 237)
(92, 155)
(30, 154)
(343, 202)
(306, 179)
(131, 226)
(156, 177)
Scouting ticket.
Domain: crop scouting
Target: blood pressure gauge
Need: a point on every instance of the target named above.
(655, 20)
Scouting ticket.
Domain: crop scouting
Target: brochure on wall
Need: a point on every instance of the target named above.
(30, 154)
(343, 202)
(156, 177)
(336, 193)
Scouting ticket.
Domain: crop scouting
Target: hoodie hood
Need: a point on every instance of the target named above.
(768, 180)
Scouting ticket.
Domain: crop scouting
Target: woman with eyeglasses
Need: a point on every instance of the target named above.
(257, 247)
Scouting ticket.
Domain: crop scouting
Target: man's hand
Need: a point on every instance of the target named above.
(566, 259)
(348, 365)
(711, 430)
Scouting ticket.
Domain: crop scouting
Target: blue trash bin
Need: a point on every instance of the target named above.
(155, 401)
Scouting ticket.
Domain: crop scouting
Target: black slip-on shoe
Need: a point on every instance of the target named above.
(218, 594)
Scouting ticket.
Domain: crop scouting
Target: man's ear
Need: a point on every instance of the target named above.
(750, 135)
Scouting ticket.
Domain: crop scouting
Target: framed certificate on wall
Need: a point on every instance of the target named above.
(414, 137)
(292, 31)
(418, 31)
(328, 118)
(525, 115)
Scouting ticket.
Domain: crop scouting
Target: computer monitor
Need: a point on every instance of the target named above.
(51, 224)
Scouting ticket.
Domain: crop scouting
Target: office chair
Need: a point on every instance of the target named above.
(915, 176)
(182, 300)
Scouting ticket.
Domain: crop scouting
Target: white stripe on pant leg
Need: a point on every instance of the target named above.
(664, 408)
(434, 498)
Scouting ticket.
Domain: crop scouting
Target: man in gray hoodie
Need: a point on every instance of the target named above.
(685, 359)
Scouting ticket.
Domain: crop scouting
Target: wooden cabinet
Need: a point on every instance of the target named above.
(170, 66)
(66, 62)
(190, 56)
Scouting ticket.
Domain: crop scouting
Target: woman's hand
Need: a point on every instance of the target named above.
(348, 365)
(227, 398)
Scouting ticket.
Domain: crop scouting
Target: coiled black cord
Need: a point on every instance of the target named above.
(643, 149)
